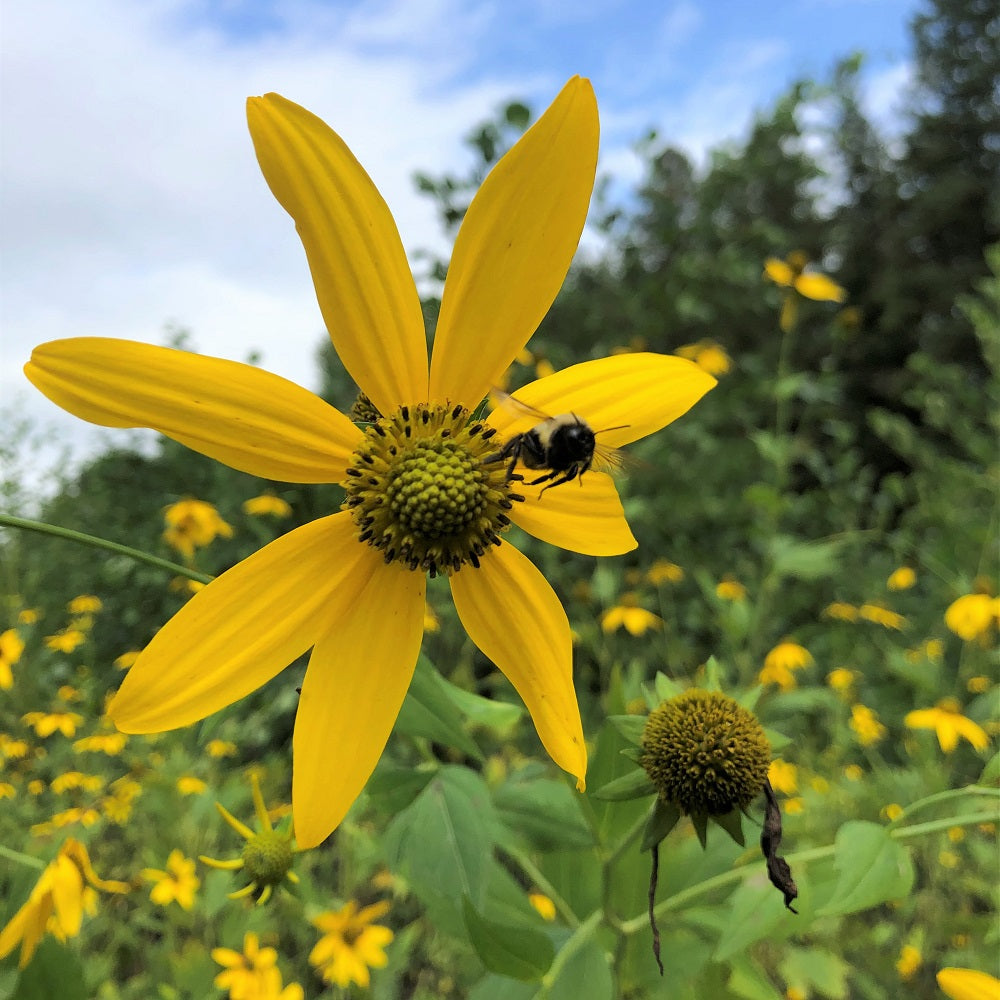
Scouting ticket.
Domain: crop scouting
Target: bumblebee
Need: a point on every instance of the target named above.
(565, 446)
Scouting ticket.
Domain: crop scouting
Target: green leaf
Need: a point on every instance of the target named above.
(54, 971)
(494, 987)
(778, 741)
(510, 951)
(713, 675)
(544, 811)
(872, 869)
(662, 819)
(748, 982)
(630, 727)
(732, 823)
(666, 688)
(755, 912)
(805, 560)
(991, 773)
(633, 785)
(586, 974)
(430, 712)
(822, 970)
(442, 844)
(500, 716)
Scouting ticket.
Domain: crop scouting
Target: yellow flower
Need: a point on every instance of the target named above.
(865, 724)
(248, 975)
(431, 620)
(542, 905)
(780, 663)
(220, 748)
(635, 620)
(13, 749)
(949, 724)
(979, 684)
(11, 648)
(902, 578)
(188, 784)
(57, 903)
(351, 944)
(729, 589)
(973, 615)
(784, 777)
(46, 723)
(892, 811)
(794, 807)
(177, 884)
(108, 743)
(791, 274)
(543, 368)
(85, 604)
(7, 790)
(65, 641)
(267, 504)
(351, 585)
(707, 355)
(193, 524)
(664, 571)
(853, 773)
(841, 611)
(841, 679)
(882, 616)
(76, 779)
(968, 984)
(267, 855)
(909, 962)
(28, 616)
(126, 660)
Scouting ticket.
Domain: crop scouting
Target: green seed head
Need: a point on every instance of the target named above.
(267, 857)
(705, 753)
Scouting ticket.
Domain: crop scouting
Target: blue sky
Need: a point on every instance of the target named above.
(131, 199)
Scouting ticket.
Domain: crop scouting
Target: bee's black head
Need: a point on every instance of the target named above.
(571, 444)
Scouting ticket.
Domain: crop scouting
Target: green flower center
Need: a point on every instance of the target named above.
(705, 753)
(267, 857)
(426, 488)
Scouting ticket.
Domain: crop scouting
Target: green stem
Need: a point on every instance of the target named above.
(21, 859)
(574, 943)
(543, 885)
(800, 857)
(951, 793)
(68, 534)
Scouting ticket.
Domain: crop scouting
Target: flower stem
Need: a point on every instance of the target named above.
(21, 859)
(70, 535)
(543, 884)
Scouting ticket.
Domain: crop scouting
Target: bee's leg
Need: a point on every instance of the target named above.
(565, 478)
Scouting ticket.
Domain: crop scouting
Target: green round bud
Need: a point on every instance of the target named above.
(705, 753)
(267, 857)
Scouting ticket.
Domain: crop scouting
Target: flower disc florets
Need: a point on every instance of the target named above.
(267, 857)
(705, 753)
(421, 492)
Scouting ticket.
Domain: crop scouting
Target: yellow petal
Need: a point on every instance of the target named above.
(238, 632)
(250, 419)
(968, 984)
(363, 281)
(357, 677)
(778, 271)
(514, 248)
(515, 618)
(67, 895)
(819, 287)
(644, 392)
(583, 516)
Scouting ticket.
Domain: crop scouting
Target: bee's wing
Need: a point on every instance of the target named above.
(512, 405)
(613, 460)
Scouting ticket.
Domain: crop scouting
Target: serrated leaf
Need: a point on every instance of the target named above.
(872, 869)
(544, 811)
(517, 952)
(429, 712)
(633, 785)
(629, 727)
(663, 817)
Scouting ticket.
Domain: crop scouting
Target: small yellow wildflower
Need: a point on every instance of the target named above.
(972, 616)
(979, 684)
(664, 571)
(864, 722)
(7, 790)
(250, 974)
(431, 621)
(948, 859)
(76, 779)
(220, 748)
(267, 855)
(708, 356)
(188, 784)
(11, 648)
(85, 604)
(65, 641)
(909, 962)
(948, 722)
(730, 589)
(902, 578)
(111, 744)
(635, 620)
(46, 723)
(794, 806)
(177, 884)
(126, 660)
(544, 368)
(882, 616)
(28, 616)
(542, 905)
(841, 680)
(853, 773)
(956, 834)
(351, 944)
(841, 611)
(57, 903)
(791, 274)
(36, 786)
(267, 504)
(794, 993)
(193, 524)
(819, 784)
(780, 663)
(968, 984)
(892, 811)
(13, 749)
(525, 357)
(784, 777)
(68, 693)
